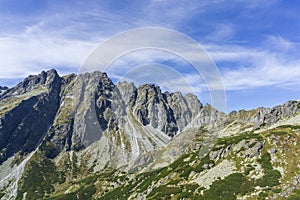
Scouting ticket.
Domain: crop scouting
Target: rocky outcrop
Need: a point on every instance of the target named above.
(2, 89)
(286, 110)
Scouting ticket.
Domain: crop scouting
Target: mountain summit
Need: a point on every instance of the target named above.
(82, 136)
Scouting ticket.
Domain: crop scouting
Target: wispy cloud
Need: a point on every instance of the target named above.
(273, 64)
(64, 35)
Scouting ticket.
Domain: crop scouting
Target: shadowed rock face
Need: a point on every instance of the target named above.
(170, 113)
(24, 125)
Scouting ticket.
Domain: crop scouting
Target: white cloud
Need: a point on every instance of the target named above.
(34, 50)
(22, 55)
(62, 37)
(163, 75)
(279, 43)
(258, 67)
(67, 37)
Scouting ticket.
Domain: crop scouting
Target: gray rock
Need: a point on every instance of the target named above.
(254, 151)
(273, 151)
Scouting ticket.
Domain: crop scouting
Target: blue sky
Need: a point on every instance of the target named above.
(255, 44)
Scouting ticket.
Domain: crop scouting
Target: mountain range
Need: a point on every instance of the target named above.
(84, 137)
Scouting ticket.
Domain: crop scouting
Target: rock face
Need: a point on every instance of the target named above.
(170, 113)
(22, 128)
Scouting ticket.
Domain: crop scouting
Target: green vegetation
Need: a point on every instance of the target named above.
(277, 133)
(249, 169)
(179, 162)
(290, 126)
(263, 124)
(277, 190)
(228, 188)
(8, 104)
(84, 193)
(145, 180)
(236, 139)
(49, 149)
(205, 160)
(65, 113)
(140, 184)
(86, 187)
(295, 195)
(172, 182)
(202, 129)
(39, 176)
(263, 195)
(163, 192)
(272, 176)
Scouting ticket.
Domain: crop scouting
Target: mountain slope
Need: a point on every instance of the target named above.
(82, 136)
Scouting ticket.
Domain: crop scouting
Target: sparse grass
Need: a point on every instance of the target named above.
(65, 112)
(225, 141)
(263, 195)
(9, 103)
(228, 188)
(191, 187)
(179, 162)
(205, 160)
(163, 191)
(86, 187)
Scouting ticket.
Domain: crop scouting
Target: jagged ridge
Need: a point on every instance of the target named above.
(82, 124)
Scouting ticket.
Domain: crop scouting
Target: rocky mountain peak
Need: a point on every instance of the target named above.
(45, 80)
